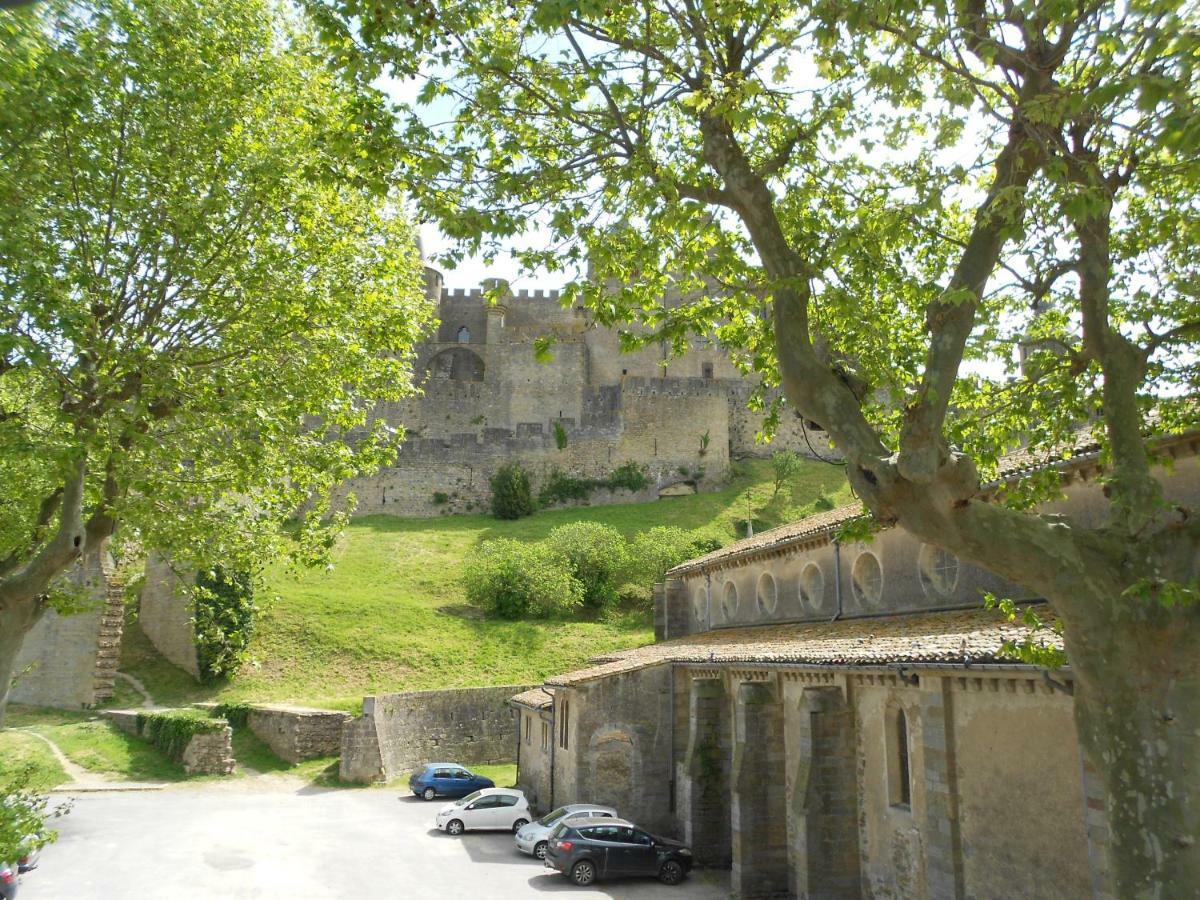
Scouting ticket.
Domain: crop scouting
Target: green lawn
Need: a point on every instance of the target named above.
(97, 745)
(373, 623)
(27, 760)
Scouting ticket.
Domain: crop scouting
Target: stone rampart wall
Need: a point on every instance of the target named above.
(398, 732)
(207, 753)
(296, 733)
(70, 661)
(165, 614)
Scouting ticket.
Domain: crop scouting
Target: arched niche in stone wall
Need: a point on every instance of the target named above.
(615, 767)
(456, 364)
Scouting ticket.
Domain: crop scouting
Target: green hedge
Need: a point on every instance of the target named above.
(236, 714)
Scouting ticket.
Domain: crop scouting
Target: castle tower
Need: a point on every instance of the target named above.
(498, 288)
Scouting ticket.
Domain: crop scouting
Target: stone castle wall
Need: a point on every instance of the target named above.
(486, 400)
(297, 733)
(165, 615)
(396, 733)
(71, 661)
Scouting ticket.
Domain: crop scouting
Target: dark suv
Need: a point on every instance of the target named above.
(587, 849)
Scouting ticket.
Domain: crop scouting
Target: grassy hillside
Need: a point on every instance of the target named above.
(388, 617)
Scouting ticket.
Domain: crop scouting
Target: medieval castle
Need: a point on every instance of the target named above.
(487, 401)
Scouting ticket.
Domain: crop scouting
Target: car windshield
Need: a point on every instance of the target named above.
(467, 799)
(551, 817)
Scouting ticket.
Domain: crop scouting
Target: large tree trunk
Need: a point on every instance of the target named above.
(1137, 705)
(15, 622)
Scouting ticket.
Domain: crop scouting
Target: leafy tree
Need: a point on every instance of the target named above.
(785, 465)
(199, 277)
(512, 497)
(652, 553)
(595, 555)
(883, 192)
(513, 579)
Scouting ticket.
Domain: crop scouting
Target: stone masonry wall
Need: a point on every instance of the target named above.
(398, 732)
(70, 661)
(207, 753)
(295, 733)
(166, 617)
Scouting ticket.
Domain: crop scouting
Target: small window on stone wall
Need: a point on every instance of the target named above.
(768, 593)
(564, 723)
(939, 571)
(464, 335)
(706, 370)
(898, 771)
(867, 578)
(545, 737)
(729, 601)
(812, 587)
(528, 728)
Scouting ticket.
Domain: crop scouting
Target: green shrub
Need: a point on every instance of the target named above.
(563, 488)
(512, 497)
(560, 436)
(513, 580)
(171, 730)
(630, 476)
(785, 465)
(223, 621)
(236, 714)
(596, 556)
(823, 503)
(652, 553)
(440, 498)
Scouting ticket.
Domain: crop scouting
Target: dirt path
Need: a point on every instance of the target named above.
(136, 683)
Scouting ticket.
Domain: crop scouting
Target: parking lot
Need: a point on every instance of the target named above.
(219, 841)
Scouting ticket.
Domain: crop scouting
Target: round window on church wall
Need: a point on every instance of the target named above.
(812, 587)
(768, 593)
(729, 601)
(939, 571)
(867, 579)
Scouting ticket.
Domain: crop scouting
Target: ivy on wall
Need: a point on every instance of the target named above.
(172, 730)
(223, 621)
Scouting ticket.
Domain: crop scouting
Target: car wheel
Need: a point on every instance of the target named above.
(519, 824)
(671, 872)
(540, 850)
(583, 872)
(454, 828)
(429, 793)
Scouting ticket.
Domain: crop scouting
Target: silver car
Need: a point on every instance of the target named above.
(532, 838)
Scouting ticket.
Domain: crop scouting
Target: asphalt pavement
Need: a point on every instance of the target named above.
(210, 842)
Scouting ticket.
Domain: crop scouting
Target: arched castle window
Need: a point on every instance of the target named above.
(464, 335)
(866, 579)
(812, 587)
(939, 571)
(899, 776)
(729, 601)
(706, 370)
(768, 593)
(456, 364)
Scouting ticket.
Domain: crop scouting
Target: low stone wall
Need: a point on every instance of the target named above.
(398, 732)
(207, 753)
(295, 733)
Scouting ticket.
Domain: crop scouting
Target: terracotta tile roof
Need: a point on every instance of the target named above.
(970, 635)
(535, 698)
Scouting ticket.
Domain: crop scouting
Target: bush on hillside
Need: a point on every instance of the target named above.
(628, 476)
(223, 617)
(563, 488)
(512, 496)
(514, 580)
(596, 556)
(652, 553)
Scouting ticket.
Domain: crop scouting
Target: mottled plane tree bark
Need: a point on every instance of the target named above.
(889, 197)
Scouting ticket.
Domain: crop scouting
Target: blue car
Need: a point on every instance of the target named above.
(446, 780)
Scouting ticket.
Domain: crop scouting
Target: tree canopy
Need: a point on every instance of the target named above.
(876, 205)
(201, 279)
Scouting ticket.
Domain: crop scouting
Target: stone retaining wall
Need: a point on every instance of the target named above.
(295, 733)
(398, 732)
(207, 753)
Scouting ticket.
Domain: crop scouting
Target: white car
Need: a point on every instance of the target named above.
(491, 808)
(532, 837)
